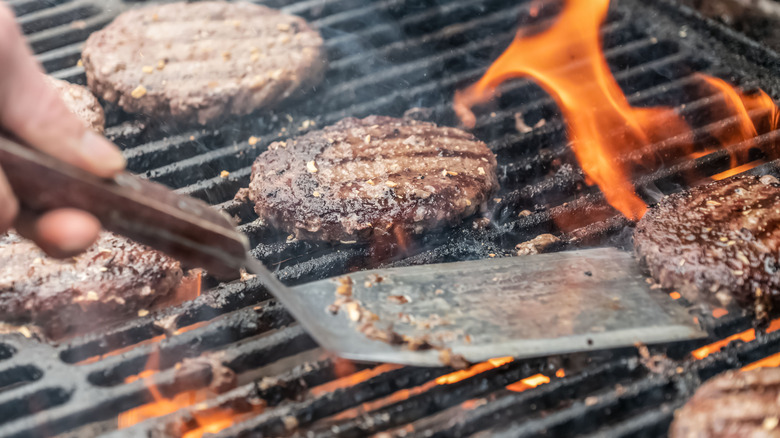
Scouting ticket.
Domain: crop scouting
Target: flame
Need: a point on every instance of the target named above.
(187, 290)
(404, 394)
(212, 426)
(152, 340)
(742, 105)
(343, 367)
(746, 336)
(457, 376)
(161, 405)
(719, 312)
(528, 383)
(675, 295)
(772, 361)
(219, 419)
(602, 126)
(737, 170)
(560, 373)
(354, 379)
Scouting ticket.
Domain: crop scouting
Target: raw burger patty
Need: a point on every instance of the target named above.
(362, 178)
(719, 241)
(81, 102)
(114, 278)
(733, 404)
(202, 61)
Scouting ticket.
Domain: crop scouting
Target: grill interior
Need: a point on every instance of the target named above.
(387, 56)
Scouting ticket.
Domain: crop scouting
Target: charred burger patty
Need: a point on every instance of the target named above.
(363, 178)
(114, 278)
(719, 241)
(203, 60)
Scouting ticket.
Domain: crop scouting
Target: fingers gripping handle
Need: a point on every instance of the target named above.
(183, 227)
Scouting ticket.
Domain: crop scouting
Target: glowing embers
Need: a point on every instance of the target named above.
(161, 405)
(457, 376)
(603, 127)
(772, 361)
(195, 373)
(746, 336)
(529, 382)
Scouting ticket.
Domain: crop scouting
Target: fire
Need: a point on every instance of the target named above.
(218, 419)
(354, 379)
(149, 341)
(457, 376)
(742, 105)
(746, 336)
(593, 104)
(737, 170)
(528, 383)
(772, 361)
(404, 394)
(719, 312)
(161, 405)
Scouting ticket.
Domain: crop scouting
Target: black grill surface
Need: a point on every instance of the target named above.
(387, 56)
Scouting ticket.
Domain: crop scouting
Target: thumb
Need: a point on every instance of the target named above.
(31, 109)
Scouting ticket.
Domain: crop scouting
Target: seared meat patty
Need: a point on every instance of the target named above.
(114, 278)
(82, 103)
(360, 179)
(203, 60)
(733, 404)
(719, 241)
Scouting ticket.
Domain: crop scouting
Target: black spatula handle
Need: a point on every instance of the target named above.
(183, 227)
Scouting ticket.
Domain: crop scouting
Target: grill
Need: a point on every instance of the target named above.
(387, 56)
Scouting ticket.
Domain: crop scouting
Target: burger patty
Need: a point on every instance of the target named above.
(114, 278)
(81, 102)
(366, 178)
(202, 61)
(733, 404)
(717, 242)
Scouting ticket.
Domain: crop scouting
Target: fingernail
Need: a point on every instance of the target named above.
(104, 156)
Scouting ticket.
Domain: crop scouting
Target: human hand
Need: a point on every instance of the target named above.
(32, 110)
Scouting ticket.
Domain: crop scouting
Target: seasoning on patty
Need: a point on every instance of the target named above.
(717, 242)
(203, 60)
(114, 278)
(733, 404)
(360, 179)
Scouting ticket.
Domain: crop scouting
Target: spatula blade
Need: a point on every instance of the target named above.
(522, 307)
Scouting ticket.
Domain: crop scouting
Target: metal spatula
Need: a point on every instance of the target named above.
(522, 307)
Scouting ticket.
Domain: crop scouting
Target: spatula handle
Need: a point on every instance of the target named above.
(183, 227)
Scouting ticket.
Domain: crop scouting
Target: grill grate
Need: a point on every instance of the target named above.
(387, 56)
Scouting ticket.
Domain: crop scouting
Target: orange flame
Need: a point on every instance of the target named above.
(161, 405)
(528, 383)
(772, 361)
(592, 102)
(152, 340)
(219, 419)
(742, 105)
(354, 379)
(746, 336)
(457, 376)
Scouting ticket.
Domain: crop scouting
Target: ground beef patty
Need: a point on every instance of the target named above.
(202, 61)
(719, 241)
(82, 103)
(114, 278)
(366, 178)
(733, 404)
